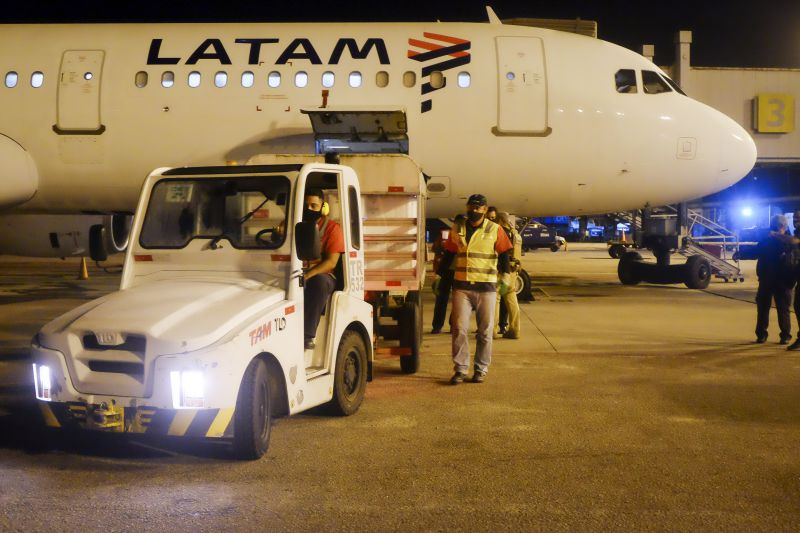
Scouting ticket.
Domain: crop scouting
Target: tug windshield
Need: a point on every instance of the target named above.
(250, 212)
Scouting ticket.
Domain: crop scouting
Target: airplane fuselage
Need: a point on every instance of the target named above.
(547, 135)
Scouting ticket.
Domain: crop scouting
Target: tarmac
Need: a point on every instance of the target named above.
(623, 408)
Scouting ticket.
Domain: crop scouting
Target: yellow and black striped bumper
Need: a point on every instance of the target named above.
(198, 423)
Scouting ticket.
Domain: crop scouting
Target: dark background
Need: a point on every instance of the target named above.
(731, 33)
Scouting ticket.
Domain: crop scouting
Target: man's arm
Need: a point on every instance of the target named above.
(327, 264)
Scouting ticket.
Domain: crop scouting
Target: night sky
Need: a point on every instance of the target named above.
(734, 33)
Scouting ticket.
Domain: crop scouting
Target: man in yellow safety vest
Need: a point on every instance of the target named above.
(480, 249)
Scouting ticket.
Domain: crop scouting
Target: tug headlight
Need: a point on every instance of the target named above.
(42, 382)
(188, 389)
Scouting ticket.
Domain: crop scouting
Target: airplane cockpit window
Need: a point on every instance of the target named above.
(194, 79)
(409, 79)
(382, 79)
(37, 79)
(355, 79)
(464, 79)
(248, 79)
(221, 79)
(437, 79)
(141, 79)
(274, 79)
(249, 212)
(168, 79)
(11, 79)
(626, 81)
(674, 85)
(301, 79)
(653, 83)
(328, 78)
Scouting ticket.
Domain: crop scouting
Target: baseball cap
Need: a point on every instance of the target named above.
(477, 199)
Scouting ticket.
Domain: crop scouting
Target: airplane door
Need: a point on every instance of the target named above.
(522, 86)
(79, 92)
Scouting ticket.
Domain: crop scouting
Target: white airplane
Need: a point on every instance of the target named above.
(539, 121)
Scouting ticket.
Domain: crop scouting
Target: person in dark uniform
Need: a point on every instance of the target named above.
(445, 281)
(796, 221)
(776, 278)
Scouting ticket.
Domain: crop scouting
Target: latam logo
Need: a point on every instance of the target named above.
(439, 58)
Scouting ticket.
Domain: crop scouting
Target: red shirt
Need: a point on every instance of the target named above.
(332, 238)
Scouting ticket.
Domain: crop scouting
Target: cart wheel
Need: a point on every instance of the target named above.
(410, 323)
(252, 418)
(350, 376)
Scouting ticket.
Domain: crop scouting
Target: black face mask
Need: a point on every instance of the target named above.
(311, 216)
(474, 216)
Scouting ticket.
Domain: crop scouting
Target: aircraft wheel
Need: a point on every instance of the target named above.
(697, 272)
(628, 268)
(252, 419)
(526, 294)
(350, 376)
(616, 251)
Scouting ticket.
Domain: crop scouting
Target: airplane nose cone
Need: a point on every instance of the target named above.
(737, 155)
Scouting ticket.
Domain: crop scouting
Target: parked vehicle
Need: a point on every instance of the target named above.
(537, 235)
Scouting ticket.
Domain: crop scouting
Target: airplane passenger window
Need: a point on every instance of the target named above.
(382, 78)
(626, 81)
(221, 79)
(141, 79)
(463, 79)
(11, 79)
(437, 79)
(194, 79)
(674, 85)
(168, 79)
(653, 84)
(248, 79)
(328, 78)
(301, 79)
(355, 79)
(274, 79)
(37, 79)
(409, 79)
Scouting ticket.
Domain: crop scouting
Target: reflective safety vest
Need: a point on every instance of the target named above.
(477, 261)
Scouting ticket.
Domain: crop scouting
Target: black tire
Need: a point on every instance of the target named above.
(554, 247)
(350, 376)
(526, 295)
(616, 250)
(525, 249)
(697, 272)
(628, 268)
(410, 323)
(252, 423)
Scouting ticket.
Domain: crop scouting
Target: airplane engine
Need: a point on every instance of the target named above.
(95, 236)
(18, 173)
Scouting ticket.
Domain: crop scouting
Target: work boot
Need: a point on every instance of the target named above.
(794, 346)
(761, 339)
(511, 335)
(785, 340)
(457, 378)
(309, 344)
(478, 377)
